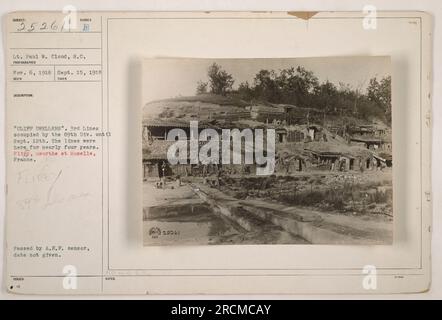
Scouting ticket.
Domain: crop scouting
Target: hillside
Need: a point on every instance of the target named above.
(212, 107)
(202, 107)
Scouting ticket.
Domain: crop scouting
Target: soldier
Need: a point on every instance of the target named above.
(163, 177)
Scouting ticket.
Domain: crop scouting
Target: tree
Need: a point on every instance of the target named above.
(297, 86)
(245, 92)
(291, 85)
(349, 98)
(301, 87)
(379, 92)
(265, 86)
(220, 81)
(201, 87)
(326, 96)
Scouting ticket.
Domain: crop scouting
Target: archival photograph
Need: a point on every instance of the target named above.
(267, 151)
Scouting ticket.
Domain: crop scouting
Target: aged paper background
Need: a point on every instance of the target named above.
(123, 253)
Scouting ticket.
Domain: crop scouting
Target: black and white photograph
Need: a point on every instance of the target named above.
(221, 151)
(267, 151)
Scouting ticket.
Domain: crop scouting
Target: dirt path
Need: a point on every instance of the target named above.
(180, 209)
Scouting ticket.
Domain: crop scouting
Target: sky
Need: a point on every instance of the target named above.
(173, 77)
